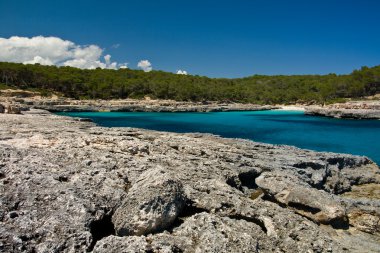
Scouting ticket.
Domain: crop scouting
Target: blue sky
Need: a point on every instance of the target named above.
(213, 38)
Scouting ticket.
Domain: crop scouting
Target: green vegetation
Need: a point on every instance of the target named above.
(127, 83)
(4, 87)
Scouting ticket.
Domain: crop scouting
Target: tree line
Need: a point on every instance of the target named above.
(128, 83)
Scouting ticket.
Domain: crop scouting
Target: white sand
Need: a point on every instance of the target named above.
(291, 108)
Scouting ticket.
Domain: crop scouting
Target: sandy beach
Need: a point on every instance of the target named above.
(290, 108)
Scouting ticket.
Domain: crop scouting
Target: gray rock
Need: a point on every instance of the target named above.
(312, 203)
(130, 244)
(363, 209)
(151, 205)
(211, 233)
(70, 186)
(344, 113)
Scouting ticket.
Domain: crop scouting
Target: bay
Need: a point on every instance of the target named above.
(359, 137)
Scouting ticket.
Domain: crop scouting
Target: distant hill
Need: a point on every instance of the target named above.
(127, 83)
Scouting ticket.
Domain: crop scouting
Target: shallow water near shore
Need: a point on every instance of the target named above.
(359, 137)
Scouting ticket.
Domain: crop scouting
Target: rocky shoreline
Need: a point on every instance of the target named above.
(20, 100)
(56, 104)
(71, 186)
(348, 110)
(343, 113)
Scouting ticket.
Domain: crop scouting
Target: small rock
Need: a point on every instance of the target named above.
(133, 150)
(85, 120)
(13, 110)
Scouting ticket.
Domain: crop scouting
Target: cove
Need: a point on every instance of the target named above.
(358, 137)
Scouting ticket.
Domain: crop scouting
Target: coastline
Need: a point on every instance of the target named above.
(366, 109)
(358, 114)
(108, 177)
(25, 100)
(126, 105)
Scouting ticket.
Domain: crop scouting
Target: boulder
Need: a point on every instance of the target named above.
(2, 108)
(152, 204)
(289, 190)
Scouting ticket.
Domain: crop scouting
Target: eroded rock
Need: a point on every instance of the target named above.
(114, 244)
(315, 204)
(70, 186)
(152, 204)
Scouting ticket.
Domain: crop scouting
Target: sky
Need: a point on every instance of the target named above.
(222, 38)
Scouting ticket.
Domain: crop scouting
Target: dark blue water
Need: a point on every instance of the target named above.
(360, 137)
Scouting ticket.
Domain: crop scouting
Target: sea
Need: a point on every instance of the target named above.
(358, 137)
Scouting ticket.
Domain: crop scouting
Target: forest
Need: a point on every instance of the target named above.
(127, 83)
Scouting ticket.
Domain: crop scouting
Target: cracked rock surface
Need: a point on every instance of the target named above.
(70, 186)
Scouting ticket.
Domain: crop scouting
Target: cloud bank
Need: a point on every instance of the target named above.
(54, 51)
(145, 65)
(181, 72)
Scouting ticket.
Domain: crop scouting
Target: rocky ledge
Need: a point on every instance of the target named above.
(343, 113)
(70, 186)
(349, 110)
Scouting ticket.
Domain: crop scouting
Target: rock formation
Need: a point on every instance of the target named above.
(369, 109)
(344, 113)
(70, 186)
(135, 216)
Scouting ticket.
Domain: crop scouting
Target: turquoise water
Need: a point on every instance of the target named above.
(360, 137)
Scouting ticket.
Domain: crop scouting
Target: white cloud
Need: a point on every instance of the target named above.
(107, 58)
(145, 65)
(181, 72)
(53, 51)
(40, 60)
(115, 45)
(109, 64)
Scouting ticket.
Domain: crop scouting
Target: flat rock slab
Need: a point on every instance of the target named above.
(315, 204)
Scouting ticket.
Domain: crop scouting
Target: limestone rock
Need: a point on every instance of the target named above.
(344, 113)
(363, 208)
(151, 205)
(312, 203)
(71, 186)
(366, 221)
(114, 244)
(211, 233)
